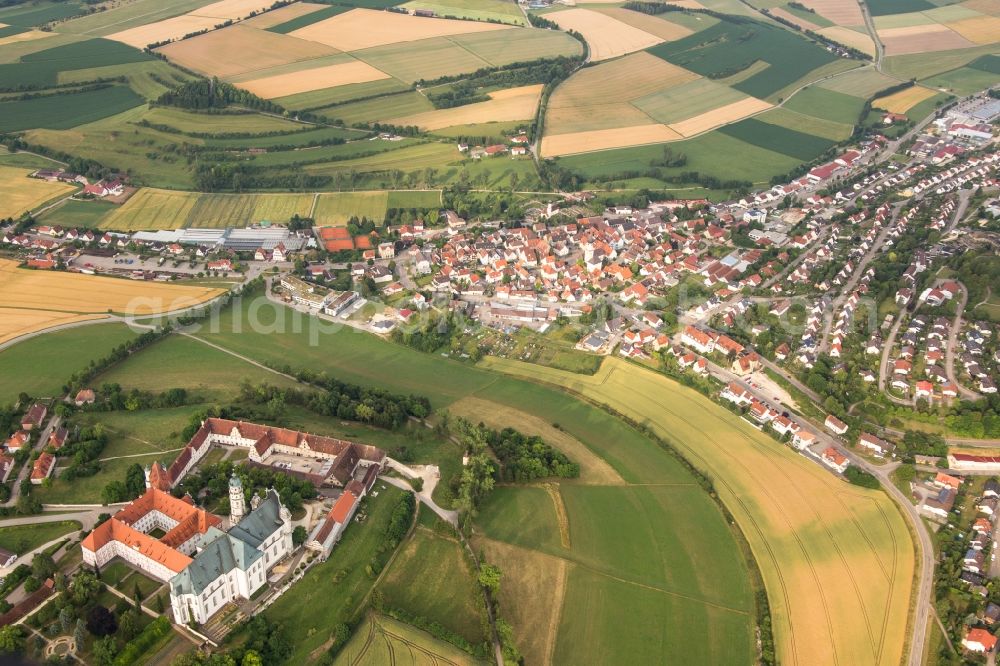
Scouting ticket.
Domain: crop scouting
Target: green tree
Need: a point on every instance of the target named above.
(84, 586)
(43, 566)
(105, 650)
(299, 535)
(11, 639)
(251, 658)
(489, 578)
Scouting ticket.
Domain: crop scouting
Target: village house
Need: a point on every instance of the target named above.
(835, 460)
(835, 425)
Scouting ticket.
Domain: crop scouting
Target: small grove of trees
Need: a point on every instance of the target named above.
(522, 457)
(133, 485)
(399, 523)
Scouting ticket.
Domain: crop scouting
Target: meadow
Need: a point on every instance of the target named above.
(221, 123)
(427, 563)
(800, 145)
(336, 208)
(21, 194)
(42, 68)
(39, 366)
(476, 10)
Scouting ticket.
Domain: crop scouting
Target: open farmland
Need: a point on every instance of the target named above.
(687, 100)
(554, 145)
(477, 10)
(277, 17)
(504, 105)
(659, 25)
(15, 322)
(790, 57)
(841, 12)
(837, 560)
(720, 116)
(239, 49)
(861, 83)
(192, 122)
(921, 39)
(200, 18)
(803, 146)
(979, 29)
(150, 208)
(807, 124)
(903, 100)
(316, 78)
(607, 36)
(854, 39)
(365, 28)
(89, 294)
(382, 640)
(125, 15)
(827, 104)
(41, 68)
(20, 194)
(66, 110)
(318, 99)
(336, 208)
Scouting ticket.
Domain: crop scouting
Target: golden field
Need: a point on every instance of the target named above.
(239, 49)
(837, 560)
(35, 300)
(503, 106)
(554, 145)
(848, 37)
(316, 78)
(904, 100)
(365, 28)
(204, 18)
(20, 194)
(607, 36)
(283, 14)
(921, 39)
(721, 116)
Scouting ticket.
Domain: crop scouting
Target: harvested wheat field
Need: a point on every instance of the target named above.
(721, 116)
(239, 49)
(503, 106)
(841, 12)
(848, 37)
(904, 100)
(783, 13)
(75, 293)
(20, 194)
(991, 7)
(29, 36)
(231, 9)
(15, 322)
(921, 39)
(654, 25)
(317, 78)
(282, 15)
(364, 28)
(555, 145)
(981, 30)
(837, 560)
(163, 31)
(607, 36)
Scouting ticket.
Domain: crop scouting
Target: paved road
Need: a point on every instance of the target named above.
(36, 437)
(956, 327)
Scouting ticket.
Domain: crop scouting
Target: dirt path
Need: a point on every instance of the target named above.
(553, 490)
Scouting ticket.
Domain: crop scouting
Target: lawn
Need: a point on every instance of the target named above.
(143, 432)
(796, 516)
(39, 366)
(426, 564)
(22, 539)
(332, 592)
(87, 490)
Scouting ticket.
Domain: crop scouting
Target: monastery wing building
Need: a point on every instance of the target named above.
(210, 562)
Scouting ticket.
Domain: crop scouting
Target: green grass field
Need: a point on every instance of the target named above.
(129, 15)
(382, 640)
(40, 13)
(477, 10)
(220, 123)
(426, 564)
(800, 145)
(39, 366)
(318, 99)
(962, 81)
(78, 214)
(715, 153)
(885, 7)
(687, 100)
(22, 539)
(414, 199)
(63, 111)
(380, 108)
(707, 52)
(308, 19)
(315, 605)
(826, 104)
(143, 432)
(25, 160)
(336, 208)
(863, 83)
(167, 364)
(41, 69)
(794, 120)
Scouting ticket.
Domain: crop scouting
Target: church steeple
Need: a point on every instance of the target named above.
(237, 502)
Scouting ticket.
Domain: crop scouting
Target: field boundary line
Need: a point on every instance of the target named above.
(552, 489)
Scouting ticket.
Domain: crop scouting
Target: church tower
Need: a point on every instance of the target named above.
(237, 502)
